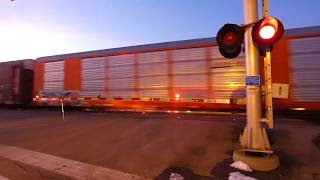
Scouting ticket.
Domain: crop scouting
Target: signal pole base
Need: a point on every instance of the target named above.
(259, 161)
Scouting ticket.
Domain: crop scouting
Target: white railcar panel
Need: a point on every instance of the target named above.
(153, 57)
(227, 76)
(305, 65)
(93, 76)
(53, 77)
(189, 54)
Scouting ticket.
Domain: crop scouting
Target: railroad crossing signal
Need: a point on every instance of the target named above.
(255, 147)
(230, 39)
(266, 32)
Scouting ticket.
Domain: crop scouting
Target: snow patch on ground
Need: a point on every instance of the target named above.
(241, 165)
(239, 176)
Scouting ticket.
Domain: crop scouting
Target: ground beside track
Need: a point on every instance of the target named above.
(145, 144)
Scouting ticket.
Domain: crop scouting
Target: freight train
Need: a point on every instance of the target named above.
(189, 74)
(16, 82)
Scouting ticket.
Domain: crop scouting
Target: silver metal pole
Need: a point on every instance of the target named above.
(252, 69)
(268, 89)
(62, 109)
(268, 76)
(265, 8)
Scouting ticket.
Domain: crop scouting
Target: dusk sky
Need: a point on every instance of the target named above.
(34, 28)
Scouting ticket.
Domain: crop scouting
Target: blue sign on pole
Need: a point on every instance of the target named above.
(253, 80)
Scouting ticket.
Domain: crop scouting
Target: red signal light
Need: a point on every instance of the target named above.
(229, 40)
(266, 32)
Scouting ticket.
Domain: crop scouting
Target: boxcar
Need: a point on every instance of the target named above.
(189, 74)
(16, 82)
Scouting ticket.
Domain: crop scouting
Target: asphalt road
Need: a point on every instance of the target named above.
(146, 144)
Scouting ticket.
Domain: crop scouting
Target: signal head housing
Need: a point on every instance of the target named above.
(266, 32)
(229, 39)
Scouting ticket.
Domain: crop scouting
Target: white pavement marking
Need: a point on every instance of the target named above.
(63, 166)
(3, 178)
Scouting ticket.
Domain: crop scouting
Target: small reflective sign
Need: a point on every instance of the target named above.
(253, 80)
